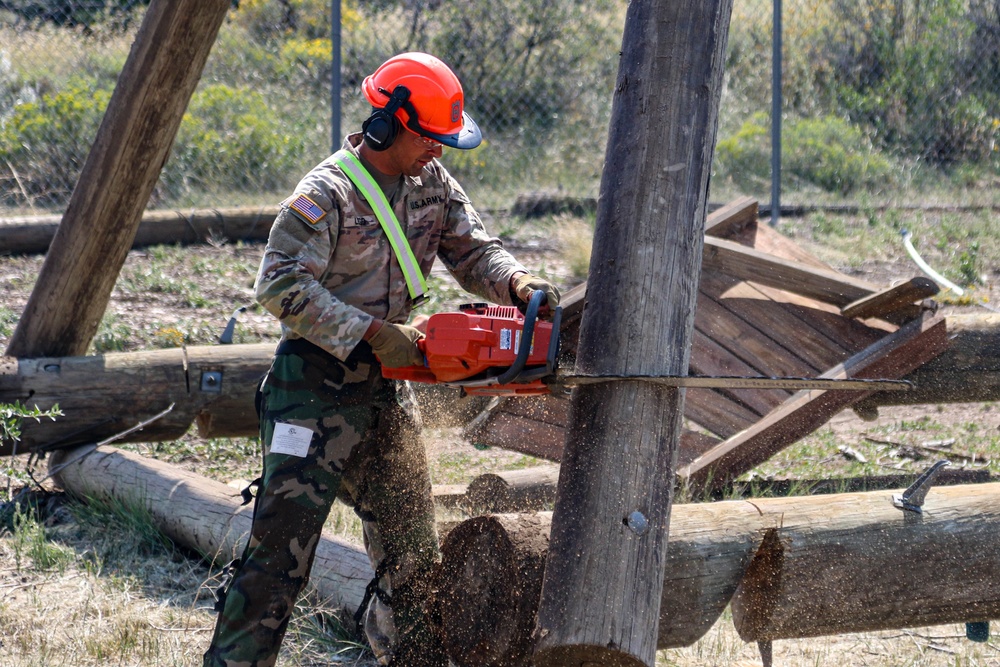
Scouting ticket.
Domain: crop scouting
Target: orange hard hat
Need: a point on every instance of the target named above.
(435, 107)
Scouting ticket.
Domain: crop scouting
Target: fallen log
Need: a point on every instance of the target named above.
(489, 581)
(829, 564)
(200, 514)
(32, 235)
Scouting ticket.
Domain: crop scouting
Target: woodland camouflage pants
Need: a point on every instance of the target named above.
(365, 450)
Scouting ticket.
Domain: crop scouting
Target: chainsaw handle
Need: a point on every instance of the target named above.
(527, 333)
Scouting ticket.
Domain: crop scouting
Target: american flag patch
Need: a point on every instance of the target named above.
(306, 207)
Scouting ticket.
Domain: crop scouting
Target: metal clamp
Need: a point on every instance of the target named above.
(913, 498)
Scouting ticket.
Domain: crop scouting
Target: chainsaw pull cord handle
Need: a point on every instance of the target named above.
(527, 333)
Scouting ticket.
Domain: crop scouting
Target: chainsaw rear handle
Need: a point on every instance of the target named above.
(527, 333)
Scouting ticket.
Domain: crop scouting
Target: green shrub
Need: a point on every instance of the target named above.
(911, 71)
(43, 143)
(523, 71)
(233, 139)
(826, 152)
(87, 13)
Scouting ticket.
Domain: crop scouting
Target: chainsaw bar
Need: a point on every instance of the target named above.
(742, 382)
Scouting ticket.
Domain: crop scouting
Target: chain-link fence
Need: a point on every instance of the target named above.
(884, 100)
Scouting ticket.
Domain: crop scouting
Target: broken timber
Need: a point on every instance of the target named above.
(767, 308)
(791, 567)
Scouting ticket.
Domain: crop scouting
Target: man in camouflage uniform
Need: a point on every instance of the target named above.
(331, 425)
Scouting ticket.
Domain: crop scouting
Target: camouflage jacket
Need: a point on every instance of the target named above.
(326, 279)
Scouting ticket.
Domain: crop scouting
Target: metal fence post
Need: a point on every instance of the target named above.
(776, 114)
(335, 74)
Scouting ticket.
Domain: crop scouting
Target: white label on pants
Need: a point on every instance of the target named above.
(290, 439)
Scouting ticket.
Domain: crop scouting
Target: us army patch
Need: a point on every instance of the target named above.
(307, 209)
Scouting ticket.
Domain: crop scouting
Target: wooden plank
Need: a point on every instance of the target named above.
(770, 241)
(717, 413)
(892, 357)
(518, 433)
(735, 221)
(746, 341)
(845, 334)
(745, 263)
(711, 358)
(892, 299)
(785, 327)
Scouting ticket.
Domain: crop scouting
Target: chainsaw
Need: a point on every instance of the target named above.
(490, 350)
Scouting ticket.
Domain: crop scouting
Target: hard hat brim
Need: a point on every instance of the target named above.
(468, 137)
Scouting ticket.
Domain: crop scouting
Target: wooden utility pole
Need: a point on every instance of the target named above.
(132, 144)
(605, 569)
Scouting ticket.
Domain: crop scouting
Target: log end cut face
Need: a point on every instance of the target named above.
(484, 587)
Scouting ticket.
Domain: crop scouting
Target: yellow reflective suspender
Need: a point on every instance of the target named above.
(356, 171)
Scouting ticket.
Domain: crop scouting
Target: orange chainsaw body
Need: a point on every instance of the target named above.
(473, 347)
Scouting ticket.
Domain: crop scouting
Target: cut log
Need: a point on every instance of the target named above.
(831, 564)
(89, 248)
(601, 593)
(855, 563)
(33, 235)
(201, 514)
(490, 579)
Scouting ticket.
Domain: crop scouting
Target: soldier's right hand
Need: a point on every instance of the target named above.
(395, 345)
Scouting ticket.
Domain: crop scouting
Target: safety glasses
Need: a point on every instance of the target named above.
(425, 143)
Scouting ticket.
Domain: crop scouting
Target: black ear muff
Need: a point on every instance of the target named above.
(381, 128)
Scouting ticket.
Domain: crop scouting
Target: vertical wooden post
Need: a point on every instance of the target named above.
(104, 211)
(605, 567)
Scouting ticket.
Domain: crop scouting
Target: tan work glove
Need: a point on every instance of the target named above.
(525, 284)
(395, 345)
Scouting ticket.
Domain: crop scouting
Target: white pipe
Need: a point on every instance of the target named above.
(925, 267)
